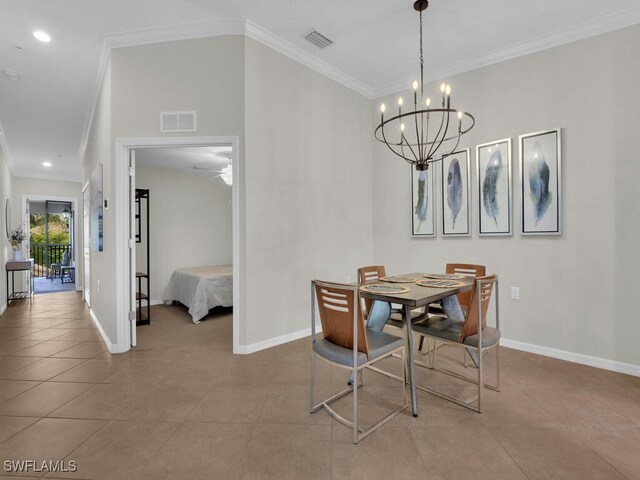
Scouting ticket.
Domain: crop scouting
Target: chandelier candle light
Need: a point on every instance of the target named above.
(424, 135)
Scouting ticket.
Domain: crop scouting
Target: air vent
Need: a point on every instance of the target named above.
(318, 39)
(178, 121)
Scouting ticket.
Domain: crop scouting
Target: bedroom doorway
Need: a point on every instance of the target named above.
(181, 214)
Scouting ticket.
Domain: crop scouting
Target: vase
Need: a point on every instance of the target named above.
(17, 255)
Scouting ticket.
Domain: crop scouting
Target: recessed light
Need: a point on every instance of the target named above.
(42, 36)
(47, 164)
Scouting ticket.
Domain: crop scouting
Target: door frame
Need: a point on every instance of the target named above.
(74, 202)
(86, 237)
(123, 208)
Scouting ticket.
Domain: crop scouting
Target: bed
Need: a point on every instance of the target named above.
(201, 289)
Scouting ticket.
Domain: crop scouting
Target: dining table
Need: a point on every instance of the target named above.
(418, 296)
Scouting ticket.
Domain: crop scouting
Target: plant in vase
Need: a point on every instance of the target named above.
(16, 237)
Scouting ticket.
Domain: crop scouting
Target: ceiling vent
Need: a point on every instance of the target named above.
(318, 39)
(178, 121)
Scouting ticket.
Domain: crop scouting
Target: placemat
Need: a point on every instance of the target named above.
(438, 283)
(445, 276)
(384, 288)
(399, 279)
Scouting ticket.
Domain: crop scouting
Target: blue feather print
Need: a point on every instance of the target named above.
(421, 209)
(539, 182)
(454, 189)
(490, 186)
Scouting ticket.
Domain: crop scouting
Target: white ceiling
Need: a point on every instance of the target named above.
(186, 158)
(44, 114)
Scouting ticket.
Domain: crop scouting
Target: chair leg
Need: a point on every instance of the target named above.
(480, 379)
(312, 388)
(355, 407)
(498, 367)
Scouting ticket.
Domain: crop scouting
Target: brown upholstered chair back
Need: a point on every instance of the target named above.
(469, 270)
(337, 306)
(484, 285)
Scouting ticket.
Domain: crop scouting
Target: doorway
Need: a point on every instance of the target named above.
(51, 235)
(127, 297)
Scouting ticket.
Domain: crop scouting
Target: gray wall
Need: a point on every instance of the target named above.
(308, 188)
(578, 291)
(205, 74)
(5, 249)
(99, 150)
(190, 222)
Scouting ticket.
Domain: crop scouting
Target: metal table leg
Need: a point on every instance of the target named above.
(410, 367)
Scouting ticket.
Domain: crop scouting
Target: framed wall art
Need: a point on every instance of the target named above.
(493, 167)
(95, 188)
(456, 215)
(423, 223)
(541, 183)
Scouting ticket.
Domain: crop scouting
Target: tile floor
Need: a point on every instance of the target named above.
(182, 406)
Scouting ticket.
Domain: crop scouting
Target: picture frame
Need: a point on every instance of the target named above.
(423, 197)
(541, 183)
(494, 188)
(96, 213)
(455, 188)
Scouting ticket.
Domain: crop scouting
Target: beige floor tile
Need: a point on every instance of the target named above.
(288, 452)
(390, 452)
(164, 404)
(9, 426)
(11, 388)
(83, 350)
(11, 347)
(133, 444)
(77, 323)
(48, 334)
(17, 332)
(42, 399)
(46, 348)
(290, 404)
(554, 452)
(92, 371)
(452, 453)
(595, 408)
(44, 369)
(80, 334)
(202, 451)
(618, 446)
(230, 404)
(103, 401)
(11, 364)
(49, 439)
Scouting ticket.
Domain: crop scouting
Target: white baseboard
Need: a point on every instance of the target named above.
(156, 302)
(113, 348)
(597, 362)
(3, 308)
(273, 342)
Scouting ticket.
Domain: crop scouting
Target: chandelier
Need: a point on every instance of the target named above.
(424, 134)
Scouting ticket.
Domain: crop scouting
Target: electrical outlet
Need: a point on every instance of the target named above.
(515, 293)
(98, 285)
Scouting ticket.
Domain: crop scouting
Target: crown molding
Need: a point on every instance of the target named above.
(51, 176)
(604, 24)
(303, 57)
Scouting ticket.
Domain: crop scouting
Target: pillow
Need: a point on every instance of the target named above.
(451, 307)
(65, 259)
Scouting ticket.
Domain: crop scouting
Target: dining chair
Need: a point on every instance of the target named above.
(372, 274)
(468, 270)
(471, 334)
(347, 343)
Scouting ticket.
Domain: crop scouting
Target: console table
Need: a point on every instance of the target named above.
(13, 266)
